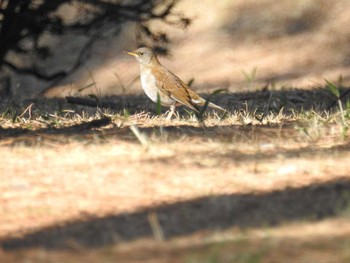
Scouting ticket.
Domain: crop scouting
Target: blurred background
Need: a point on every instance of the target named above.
(241, 45)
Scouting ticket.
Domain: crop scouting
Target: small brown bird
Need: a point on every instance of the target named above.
(156, 79)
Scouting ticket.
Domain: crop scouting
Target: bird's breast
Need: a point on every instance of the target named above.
(149, 85)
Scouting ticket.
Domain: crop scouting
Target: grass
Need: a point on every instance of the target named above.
(306, 125)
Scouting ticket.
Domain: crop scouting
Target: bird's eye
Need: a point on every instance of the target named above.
(141, 53)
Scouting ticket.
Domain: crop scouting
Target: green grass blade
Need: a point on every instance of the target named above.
(158, 105)
(333, 88)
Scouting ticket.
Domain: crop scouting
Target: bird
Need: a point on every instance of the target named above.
(159, 83)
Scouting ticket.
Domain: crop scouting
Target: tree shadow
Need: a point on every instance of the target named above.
(311, 203)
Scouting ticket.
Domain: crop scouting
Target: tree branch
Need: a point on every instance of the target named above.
(28, 20)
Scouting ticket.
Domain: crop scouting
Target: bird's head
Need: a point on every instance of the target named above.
(144, 55)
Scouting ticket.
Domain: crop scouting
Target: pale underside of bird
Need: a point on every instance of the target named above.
(161, 84)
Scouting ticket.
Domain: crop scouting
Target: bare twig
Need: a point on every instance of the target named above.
(29, 110)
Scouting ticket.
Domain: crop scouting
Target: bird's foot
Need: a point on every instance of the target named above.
(170, 113)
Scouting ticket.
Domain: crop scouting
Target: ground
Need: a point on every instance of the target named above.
(117, 182)
(261, 184)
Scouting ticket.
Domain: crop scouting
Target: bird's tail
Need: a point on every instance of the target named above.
(214, 106)
(201, 102)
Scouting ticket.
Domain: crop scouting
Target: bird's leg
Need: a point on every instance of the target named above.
(171, 112)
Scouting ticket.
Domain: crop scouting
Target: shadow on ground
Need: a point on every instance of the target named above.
(312, 203)
(266, 99)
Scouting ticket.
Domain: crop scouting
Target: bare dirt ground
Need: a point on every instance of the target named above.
(268, 183)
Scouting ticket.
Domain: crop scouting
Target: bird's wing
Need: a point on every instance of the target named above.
(176, 89)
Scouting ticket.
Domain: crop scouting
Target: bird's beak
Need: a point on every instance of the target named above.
(131, 53)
